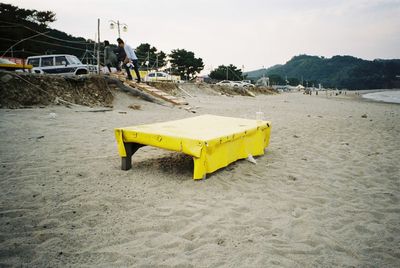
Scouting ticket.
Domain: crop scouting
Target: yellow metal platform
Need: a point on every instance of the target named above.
(213, 141)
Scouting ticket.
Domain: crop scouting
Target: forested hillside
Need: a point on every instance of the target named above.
(338, 71)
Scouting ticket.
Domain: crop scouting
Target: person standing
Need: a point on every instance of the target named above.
(130, 60)
(110, 59)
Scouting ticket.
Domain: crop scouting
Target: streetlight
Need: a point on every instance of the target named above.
(118, 24)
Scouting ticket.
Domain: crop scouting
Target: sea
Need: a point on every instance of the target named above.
(389, 96)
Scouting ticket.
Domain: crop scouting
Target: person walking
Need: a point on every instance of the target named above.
(130, 60)
(110, 59)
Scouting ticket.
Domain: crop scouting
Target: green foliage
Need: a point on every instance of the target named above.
(229, 72)
(293, 81)
(44, 17)
(219, 73)
(16, 14)
(149, 56)
(275, 79)
(162, 59)
(185, 64)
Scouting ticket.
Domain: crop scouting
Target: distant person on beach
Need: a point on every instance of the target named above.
(129, 60)
(110, 59)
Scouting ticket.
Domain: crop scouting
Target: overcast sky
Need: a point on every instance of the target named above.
(249, 33)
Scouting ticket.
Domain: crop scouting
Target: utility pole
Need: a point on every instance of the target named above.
(94, 51)
(148, 60)
(119, 31)
(98, 50)
(157, 62)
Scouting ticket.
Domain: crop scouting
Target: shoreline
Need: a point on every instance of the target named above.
(358, 95)
(386, 96)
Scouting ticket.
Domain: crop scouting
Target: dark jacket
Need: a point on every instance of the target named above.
(120, 52)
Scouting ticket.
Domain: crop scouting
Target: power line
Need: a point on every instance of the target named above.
(44, 42)
(23, 50)
(20, 41)
(49, 36)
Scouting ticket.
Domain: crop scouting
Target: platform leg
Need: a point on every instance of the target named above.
(130, 148)
(199, 171)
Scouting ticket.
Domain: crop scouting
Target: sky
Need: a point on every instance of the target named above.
(250, 34)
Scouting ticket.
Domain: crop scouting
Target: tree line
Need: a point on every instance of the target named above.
(227, 72)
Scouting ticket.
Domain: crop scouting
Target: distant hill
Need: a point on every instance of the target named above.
(256, 74)
(338, 71)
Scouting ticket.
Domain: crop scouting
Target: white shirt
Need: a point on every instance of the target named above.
(130, 53)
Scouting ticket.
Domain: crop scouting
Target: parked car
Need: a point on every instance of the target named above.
(59, 64)
(161, 76)
(245, 84)
(229, 83)
(12, 66)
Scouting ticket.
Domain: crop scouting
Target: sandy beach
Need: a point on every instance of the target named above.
(325, 194)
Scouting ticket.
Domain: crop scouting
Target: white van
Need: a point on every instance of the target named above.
(59, 64)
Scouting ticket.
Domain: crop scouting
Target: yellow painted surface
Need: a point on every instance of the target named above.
(15, 66)
(213, 141)
(142, 73)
